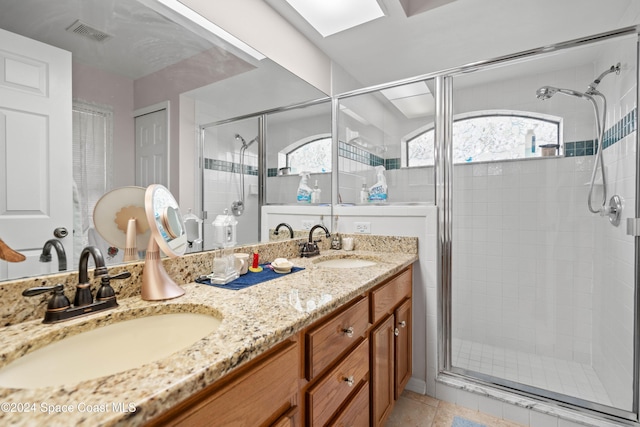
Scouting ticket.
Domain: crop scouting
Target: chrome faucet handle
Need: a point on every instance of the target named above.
(58, 301)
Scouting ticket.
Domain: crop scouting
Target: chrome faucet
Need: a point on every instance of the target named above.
(45, 256)
(310, 248)
(59, 307)
(283, 224)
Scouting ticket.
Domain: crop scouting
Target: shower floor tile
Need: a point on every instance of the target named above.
(557, 375)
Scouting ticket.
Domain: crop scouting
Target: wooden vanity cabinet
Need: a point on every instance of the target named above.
(390, 344)
(337, 366)
(263, 393)
(346, 369)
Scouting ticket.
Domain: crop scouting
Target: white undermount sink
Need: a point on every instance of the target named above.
(107, 350)
(345, 263)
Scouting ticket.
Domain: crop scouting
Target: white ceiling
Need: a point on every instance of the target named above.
(458, 32)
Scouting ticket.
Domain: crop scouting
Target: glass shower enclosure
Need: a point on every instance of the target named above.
(543, 291)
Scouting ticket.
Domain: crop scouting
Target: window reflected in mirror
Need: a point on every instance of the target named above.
(373, 130)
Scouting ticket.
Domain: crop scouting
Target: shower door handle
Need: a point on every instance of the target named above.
(633, 227)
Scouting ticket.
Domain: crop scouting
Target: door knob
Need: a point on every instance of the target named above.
(60, 232)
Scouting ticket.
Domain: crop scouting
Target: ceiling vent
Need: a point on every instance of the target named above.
(85, 30)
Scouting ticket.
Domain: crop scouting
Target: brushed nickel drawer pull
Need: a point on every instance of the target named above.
(403, 324)
(348, 331)
(396, 332)
(349, 380)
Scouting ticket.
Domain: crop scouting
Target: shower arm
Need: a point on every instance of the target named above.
(599, 160)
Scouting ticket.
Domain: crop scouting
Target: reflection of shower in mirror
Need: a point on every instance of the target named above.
(237, 207)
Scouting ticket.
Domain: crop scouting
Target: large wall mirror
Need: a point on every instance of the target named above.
(132, 82)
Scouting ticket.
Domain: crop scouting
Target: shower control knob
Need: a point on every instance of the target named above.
(60, 232)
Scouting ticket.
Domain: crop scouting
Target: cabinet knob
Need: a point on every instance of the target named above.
(396, 332)
(349, 380)
(403, 324)
(348, 331)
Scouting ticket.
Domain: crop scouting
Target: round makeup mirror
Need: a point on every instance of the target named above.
(120, 218)
(167, 234)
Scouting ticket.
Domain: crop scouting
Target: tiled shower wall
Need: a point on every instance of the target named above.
(613, 287)
(615, 255)
(523, 248)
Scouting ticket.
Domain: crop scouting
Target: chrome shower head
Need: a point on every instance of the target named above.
(546, 92)
(613, 69)
(245, 144)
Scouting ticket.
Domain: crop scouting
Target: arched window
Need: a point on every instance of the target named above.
(486, 136)
(312, 154)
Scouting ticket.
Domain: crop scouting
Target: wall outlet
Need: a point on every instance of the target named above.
(307, 224)
(363, 227)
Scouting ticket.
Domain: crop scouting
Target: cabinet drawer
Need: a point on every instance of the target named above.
(261, 393)
(326, 342)
(330, 392)
(356, 414)
(385, 298)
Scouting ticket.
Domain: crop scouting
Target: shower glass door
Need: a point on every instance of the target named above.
(543, 290)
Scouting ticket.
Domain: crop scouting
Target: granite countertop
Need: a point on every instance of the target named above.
(253, 320)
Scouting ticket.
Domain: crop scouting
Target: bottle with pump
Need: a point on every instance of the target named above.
(378, 191)
(364, 194)
(530, 143)
(304, 191)
(315, 194)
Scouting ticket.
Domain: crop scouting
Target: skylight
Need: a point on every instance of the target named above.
(332, 16)
(413, 100)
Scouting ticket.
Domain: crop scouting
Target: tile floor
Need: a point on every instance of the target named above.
(416, 410)
(561, 376)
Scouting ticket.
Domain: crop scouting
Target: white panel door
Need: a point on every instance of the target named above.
(151, 149)
(35, 150)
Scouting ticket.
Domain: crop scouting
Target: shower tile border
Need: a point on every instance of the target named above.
(232, 167)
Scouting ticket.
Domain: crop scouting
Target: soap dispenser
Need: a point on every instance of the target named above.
(315, 194)
(530, 143)
(364, 193)
(224, 230)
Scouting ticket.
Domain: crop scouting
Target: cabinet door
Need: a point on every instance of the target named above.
(289, 419)
(266, 391)
(403, 346)
(382, 372)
